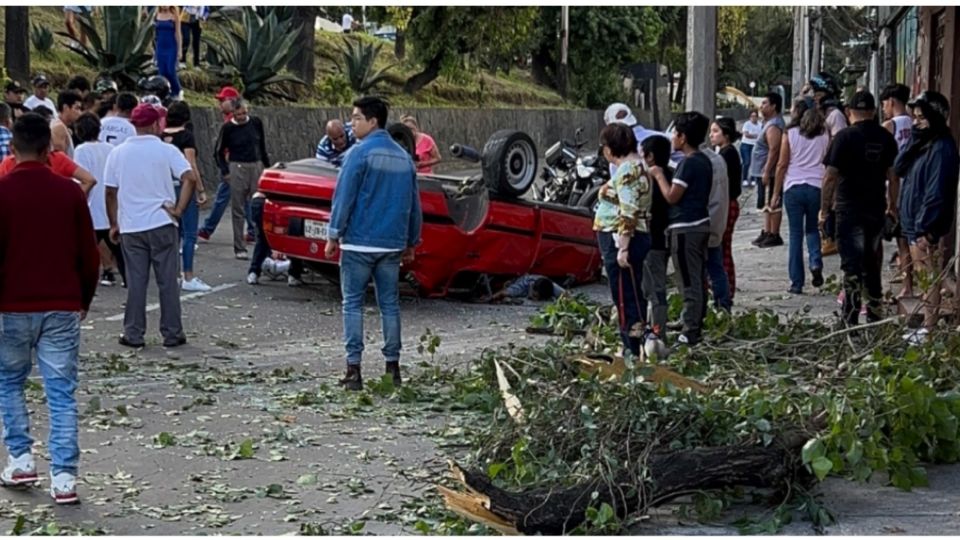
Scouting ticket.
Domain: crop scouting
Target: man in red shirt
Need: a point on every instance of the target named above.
(44, 294)
(61, 164)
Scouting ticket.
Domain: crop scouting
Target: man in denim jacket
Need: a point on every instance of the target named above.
(376, 224)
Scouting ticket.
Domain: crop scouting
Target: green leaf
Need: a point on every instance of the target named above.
(821, 467)
(20, 526)
(308, 479)
(494, 469)
(855, 454)
(812, 450)
(164, 439)
(246, 450)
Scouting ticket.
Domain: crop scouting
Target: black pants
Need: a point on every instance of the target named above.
(625, 285)
(187, 30)
(859, 242)
(261, 249)
(104, 235)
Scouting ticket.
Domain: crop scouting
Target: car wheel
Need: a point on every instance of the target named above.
(589, 199)
(510, 162)
(404, 137)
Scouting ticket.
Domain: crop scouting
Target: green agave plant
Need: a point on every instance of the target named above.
(42, 39)
(356, 64)
(256, 52)
(123, 50)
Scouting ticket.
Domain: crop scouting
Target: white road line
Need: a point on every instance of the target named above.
(191, 296)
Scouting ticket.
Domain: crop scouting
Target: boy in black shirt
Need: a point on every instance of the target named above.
(688, 230)
(859, 162)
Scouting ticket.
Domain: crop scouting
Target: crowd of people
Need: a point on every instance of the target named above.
(848, 175)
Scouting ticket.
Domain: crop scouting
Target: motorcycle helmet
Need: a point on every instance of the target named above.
(151, 100)
(826, 83)
(104, 85)
(934, 106)
(156, 85)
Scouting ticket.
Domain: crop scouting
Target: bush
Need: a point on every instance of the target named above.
(334, 90)
(42, 39)
(123, 50)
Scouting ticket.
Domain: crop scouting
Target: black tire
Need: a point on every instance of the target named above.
(589, 199)
(404, 137)
(510, 163)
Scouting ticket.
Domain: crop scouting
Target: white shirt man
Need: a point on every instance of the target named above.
(347, 23)
(41, 86)
(752, 129)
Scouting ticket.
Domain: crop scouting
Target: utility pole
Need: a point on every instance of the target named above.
(562, 73)
(702, 59)
(799, 72)
(816, 60)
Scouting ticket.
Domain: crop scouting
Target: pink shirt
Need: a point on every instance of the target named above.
(424, 150)
(806, 159)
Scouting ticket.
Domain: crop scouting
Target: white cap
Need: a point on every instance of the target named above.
(619, 113)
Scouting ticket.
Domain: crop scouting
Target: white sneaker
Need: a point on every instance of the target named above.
(19, 471)
(196, 285)
(252, 279)
(241, 255)
(916, 337)
(63, 488)
(293, 282)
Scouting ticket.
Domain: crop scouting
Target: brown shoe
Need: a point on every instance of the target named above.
(393, 369)
(353, 380)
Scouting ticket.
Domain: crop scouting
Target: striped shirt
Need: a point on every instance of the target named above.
(327, 152)
(5, 138)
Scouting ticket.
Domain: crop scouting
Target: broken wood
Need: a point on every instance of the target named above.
(610, 367)
(539, 331)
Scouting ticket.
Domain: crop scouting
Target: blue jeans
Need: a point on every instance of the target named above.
(626, 284)
(189, 222)
(55, 335)
(746, 152)
(718, 279)
(802, 203)
(356, 270)
(220, 203)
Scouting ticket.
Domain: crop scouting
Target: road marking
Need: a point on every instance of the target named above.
(191, 296)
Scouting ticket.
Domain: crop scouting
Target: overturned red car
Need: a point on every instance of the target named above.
(472, 228)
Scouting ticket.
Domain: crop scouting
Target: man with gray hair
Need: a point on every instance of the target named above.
(241, 156)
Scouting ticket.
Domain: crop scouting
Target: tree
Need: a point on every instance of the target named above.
(17, 41)
(443, 36)
(764, 54)
(302, 64)
(399, 17)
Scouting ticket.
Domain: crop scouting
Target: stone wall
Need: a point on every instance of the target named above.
(293, 132)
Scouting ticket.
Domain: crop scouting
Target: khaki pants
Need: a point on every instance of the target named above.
(929, 261)
(243, 182)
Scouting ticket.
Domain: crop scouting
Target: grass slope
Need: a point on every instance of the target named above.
(472, 89)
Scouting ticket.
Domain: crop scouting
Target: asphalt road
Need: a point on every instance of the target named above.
(243, 430)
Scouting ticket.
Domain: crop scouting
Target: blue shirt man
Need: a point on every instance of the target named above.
(375, 222)
(334, 145)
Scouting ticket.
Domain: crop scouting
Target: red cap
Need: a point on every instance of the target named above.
(228, 92)
(144, 115)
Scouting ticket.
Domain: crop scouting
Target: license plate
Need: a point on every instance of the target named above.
(315, 229)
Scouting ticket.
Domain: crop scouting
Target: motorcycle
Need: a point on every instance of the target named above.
(569, 179)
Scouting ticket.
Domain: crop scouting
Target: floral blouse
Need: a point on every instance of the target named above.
(624, 205)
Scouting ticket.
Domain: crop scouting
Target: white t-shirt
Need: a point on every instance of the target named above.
(902, 128)
(835, 122)
(752, 128)
(143, 169)
(116, 129)
(32, 102)
(347, 22)
(92, 156)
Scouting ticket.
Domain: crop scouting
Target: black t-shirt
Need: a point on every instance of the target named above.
(181, 139)
(659, 214)
(862, 153)
(695, 174)
(734, 170)
(17, 110)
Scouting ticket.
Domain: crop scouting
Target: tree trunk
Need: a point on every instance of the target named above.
(681, 87)
(555, 511)
(400, 45)
(17, 42)
(430, 72)
(541, 65)
(302, 64)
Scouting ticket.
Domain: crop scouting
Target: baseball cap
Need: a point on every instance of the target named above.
(863, 101)
(14, 86)
(144, 115)
(40, 79)
(228, 92)
(619, 113)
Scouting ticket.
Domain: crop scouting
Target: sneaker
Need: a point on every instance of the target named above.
(795, 290)
(916, 337)
(241, 255)
(745, 183)
(760, 239)
(293, 282)
(127, 343)
(654, 347)
(393, 369)
(182, 340)
(19, 471)
(353, 380)
(63, 488)
(817, 277)
(252, 278)
(203, 235)
(772, 240)
(107, 279)
(196, 285)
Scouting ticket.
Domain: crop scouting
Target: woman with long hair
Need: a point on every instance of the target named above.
(427, 154)
(179, 134)
(723, 134)
(799, 181)
(167, 47)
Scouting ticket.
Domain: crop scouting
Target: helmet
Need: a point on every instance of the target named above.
(105, 84)
(156, 85)
(824, 82)
(934, 106)
(151, 99)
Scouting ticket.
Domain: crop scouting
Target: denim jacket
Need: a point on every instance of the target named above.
(377, 201)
